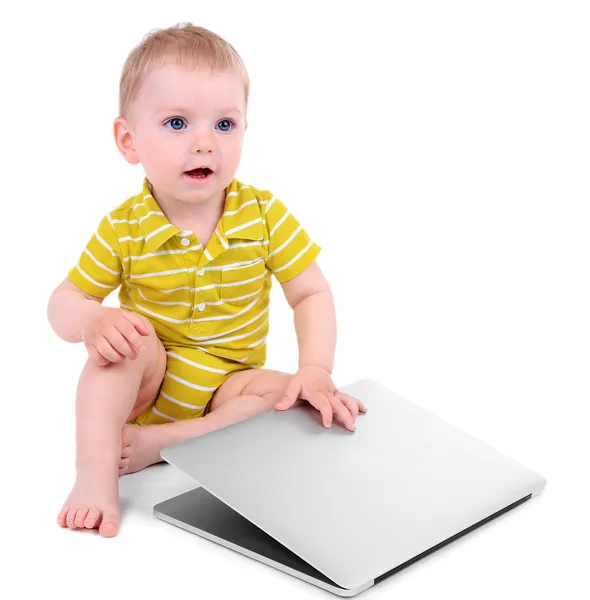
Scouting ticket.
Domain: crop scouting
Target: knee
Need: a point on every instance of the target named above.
(154, 353)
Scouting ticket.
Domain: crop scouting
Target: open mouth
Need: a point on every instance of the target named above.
(200, 173)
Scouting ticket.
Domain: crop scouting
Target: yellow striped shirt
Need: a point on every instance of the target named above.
(216, 298)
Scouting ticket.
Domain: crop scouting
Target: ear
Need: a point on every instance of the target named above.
(124, 140)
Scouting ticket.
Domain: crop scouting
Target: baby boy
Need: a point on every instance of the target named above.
(193, 254)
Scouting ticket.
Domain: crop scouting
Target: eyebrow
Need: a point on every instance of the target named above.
(184, 110)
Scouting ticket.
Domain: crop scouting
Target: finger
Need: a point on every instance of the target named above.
(105, 348)
(143, 326)
(120, 341)
(129, 332)
(349, 403)
(290, 396)
(96, 357)
(342, 412)
(319, 401)
(342, 395)
(120, 344)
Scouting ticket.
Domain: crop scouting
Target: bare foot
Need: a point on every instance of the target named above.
(93, 502)
(140, 448)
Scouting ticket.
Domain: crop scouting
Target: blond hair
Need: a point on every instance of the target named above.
(183, 44)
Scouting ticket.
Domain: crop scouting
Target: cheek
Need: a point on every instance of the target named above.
(234, 150)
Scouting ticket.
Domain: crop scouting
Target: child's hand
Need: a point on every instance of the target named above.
(113, 334)
(314, 384)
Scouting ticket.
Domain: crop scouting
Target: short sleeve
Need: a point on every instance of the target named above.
(290, 249)
(99, 268)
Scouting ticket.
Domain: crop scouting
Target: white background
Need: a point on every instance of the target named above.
(438, 152)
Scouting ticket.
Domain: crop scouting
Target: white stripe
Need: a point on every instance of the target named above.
(147, 237)
(258, 342)
(152, 212)
(234, 283)
(206, 351)
(102, 285)
(224, 317)
(285, 243)
(159, 253)
(150, 312)
(234, 212)
(272, 201)
(191, 269)
(242, 360)
(210, 286)
(124, 239)
(209, 257)
(161, 414)
(189, 384)
(105, 244)
(179, 402)
(184, 287)
(294, 258)
(194, 364)
(218, 303)
(244, 187)
(197, 289)
(159, 273)
(100, 264)
(244, 245)
(218, 335)
(243, 226)
(222, 241)
(236, 337)
(164, 303)
(280, 222)
(235, 265)
(110, 220)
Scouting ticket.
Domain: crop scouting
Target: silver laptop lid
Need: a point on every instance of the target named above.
(355, 505)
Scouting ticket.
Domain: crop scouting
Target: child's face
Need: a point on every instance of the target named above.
(184, 119)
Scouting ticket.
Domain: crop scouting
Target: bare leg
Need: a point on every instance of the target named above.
(242, 396)
(106, 396)
(142, 445)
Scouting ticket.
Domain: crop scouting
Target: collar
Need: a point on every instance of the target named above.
(241, 218)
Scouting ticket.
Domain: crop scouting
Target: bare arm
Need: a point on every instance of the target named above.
(315, 317)
(69, 308)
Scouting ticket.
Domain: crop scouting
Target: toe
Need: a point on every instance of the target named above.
(61, 517)
(70, 518)
(109, 525)
(80, 516)
(91, 518)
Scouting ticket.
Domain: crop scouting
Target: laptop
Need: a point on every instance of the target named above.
(343, 510)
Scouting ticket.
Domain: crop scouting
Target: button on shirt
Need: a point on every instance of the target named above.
(215, 298)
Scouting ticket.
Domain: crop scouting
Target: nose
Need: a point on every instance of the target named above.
(203, 141)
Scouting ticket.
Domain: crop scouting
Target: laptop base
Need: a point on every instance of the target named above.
(200, 512)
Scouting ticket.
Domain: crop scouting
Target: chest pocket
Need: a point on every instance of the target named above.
(241, 285)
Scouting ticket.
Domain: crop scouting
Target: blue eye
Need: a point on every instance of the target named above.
(177, 120)
(226, 121)
(224, 125)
